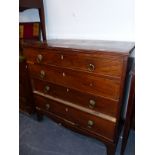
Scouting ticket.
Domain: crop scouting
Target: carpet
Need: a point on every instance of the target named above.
(49, 138)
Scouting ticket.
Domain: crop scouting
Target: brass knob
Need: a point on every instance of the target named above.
(91, 67)
(92, 104)
(62, 57)
(63, 74)
(39, 58)
(47, 106)
(42, 74)
(46, 89)
(90, 123)
(37, 108)
(66, 109)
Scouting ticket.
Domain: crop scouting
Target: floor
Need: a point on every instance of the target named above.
(49, 138)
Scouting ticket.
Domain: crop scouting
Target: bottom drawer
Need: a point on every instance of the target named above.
(79, 118)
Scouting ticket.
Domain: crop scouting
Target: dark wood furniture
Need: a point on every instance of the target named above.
(25, 91)
(80, 84)
(36, 4)
(130, 115)
(26, 103)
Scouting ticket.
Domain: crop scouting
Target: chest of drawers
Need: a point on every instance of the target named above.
(80, 84)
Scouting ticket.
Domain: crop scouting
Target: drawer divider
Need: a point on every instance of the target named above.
(98, 114)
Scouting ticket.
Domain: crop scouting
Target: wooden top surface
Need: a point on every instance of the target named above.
(94, 45)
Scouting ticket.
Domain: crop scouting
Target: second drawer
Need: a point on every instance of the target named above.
(81, 81)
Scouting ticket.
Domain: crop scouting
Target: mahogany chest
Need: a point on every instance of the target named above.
(80, 84)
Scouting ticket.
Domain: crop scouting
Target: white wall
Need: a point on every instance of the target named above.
(87, 19)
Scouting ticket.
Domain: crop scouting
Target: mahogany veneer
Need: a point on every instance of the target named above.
(80, 83)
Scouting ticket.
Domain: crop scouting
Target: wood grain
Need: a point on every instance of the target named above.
(80, 118)
(102, 105)
(103, 64)
(77, 80)
(71, 73)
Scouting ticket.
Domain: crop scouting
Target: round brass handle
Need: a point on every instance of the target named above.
(92, 104)
(47, 106)
(91, 67)
(42, 74)
(47, 89)
(90, 123)
(39, 58)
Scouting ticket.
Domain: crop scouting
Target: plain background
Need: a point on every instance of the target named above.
(87, 19)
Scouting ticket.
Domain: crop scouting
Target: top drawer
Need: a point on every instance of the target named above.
(102, 64)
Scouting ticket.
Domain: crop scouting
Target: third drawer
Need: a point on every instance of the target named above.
(90, 101)
(81, 81)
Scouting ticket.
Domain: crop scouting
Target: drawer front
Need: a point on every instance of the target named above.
(83, 99)
(77, 80)
(100, 64)
(79, 118)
